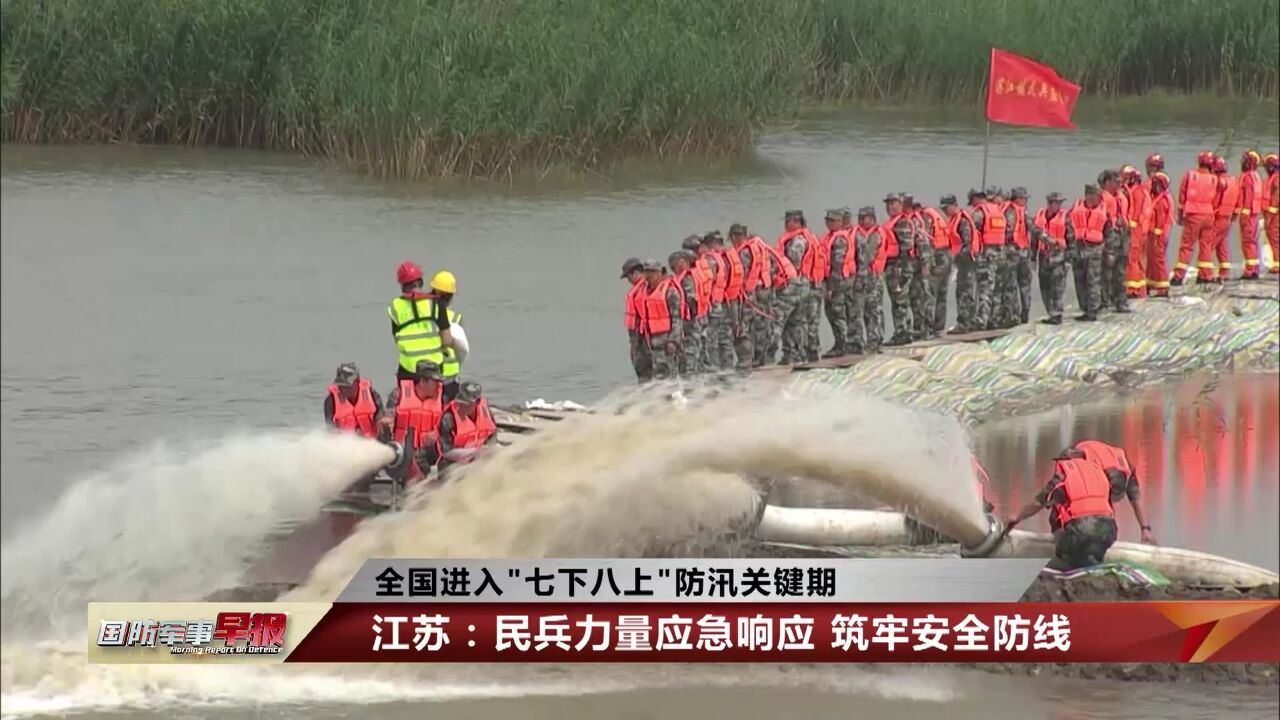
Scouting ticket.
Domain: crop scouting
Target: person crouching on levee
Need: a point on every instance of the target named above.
(418, 404)
(1087, 479)
(465, 427)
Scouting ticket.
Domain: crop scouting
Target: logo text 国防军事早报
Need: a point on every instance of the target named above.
(231, 633)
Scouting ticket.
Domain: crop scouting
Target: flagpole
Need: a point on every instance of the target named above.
(986, 149)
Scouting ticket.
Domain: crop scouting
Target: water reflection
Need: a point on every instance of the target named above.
(1207, 453)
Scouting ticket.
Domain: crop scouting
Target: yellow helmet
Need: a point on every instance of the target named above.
(444, 282)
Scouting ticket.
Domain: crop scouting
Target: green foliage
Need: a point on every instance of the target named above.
(409, 88)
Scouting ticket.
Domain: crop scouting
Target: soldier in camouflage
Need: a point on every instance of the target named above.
(1086, 261)
(1115, 253)
(641, 358)
(940, 268)
(1051, 255)
(792, 301)
(839, 286)
(694, 327)
(756, 316)
(1016, 214)
(868, 287)
(719, 349)
(966, 263)
(990, 258)
(897, 270)
(1006, 305)
(920, 285)
(664, 346)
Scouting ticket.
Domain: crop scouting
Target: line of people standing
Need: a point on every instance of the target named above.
(745, 303)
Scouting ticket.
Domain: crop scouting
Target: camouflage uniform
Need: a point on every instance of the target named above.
(641, 359)
(1086, 263)
(921, 287)
(840, 303)
(1115, 261)
(1009, 302)
(1051, 261)
(897, 278)
(793, 304)
(1021, 259)
(694, 329)
(755, 318)
(868, 292)
(666, 362)
(966, 280)
(718, 353)
(987, 264)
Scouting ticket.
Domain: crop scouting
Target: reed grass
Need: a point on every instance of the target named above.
(414, 88)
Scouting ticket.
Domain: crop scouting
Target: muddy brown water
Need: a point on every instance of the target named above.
(179, 294)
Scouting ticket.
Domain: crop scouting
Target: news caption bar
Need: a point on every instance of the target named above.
(872, 610)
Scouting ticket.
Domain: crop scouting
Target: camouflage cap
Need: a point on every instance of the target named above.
(866, 211)
(1091, 189)
(428, 370)
(992, 191)
(680, 255)
(1055, 197)
(1108, 175)
(691, 243)
(469, 392)
(347, 375)
(793, 215)
(948, 200)
(631, 264)
(974, 192)
(845, 212)
(652, 265)
(1019, 192)
(737, 229)
(891, 197)
(712, 237)
(908, 199)
(835, 214)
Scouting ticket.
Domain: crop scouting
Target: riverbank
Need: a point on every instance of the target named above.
(416, 89)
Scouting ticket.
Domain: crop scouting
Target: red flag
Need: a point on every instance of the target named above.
(1024, 92)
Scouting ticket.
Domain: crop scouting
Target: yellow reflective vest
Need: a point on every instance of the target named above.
(416, 332)
(450, 367)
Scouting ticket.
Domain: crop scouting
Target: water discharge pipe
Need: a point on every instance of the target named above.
(819, 527)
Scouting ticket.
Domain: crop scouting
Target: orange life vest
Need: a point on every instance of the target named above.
(718, 275)
(1089, 223)
(1228, 197)
(812, 265)
(357, 416)
(1086, 488)
(939, 235)
(1020, 226)
(849, 265)
(783, 270)
(1108, 457)
(992, 223)
(633, 303)
(1117, 208)
(953, 232)
(468, 433)
(1198, 193)
(889, 243)
(734, 274)
(758, 274)
(1055, 227)
(423, 415)
(882, 252)
(701, 293)
(1250, 193)
(657, 319)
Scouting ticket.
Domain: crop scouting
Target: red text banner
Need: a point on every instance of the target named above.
(1176, 632)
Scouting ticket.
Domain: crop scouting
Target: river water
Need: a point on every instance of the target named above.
(177, 294)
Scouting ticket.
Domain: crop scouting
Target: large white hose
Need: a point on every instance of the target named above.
(819, 527)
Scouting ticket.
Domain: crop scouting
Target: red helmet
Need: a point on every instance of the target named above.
(1250, 159)
(1205, 158)
(408, 272)
(1160, 179)
(1219, 165)
(1131, 174)
(1271, 161)
(1155, 160)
